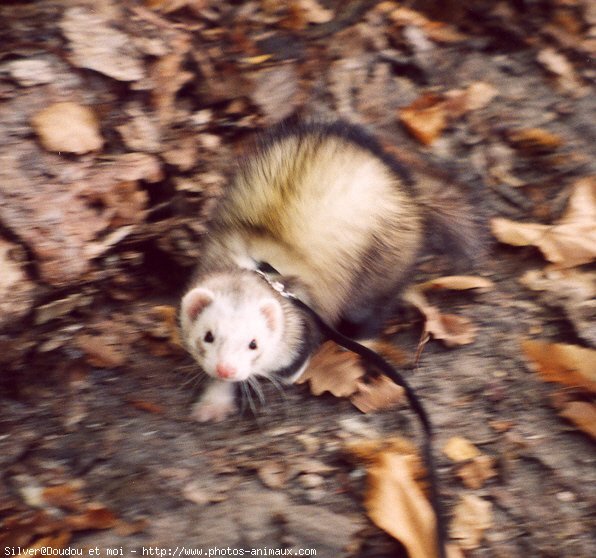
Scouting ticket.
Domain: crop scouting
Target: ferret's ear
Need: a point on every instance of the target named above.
(195, 301)
(273, 313)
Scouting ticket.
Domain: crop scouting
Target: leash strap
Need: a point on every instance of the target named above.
(383, 366)
(388, 370)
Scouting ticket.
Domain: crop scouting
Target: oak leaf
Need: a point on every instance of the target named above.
(570, 365)
(568, 243)
(334, 370)
(380, 393)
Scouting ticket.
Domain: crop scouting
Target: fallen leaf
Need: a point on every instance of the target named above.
(16, 291)
(457, 283)
(428, 116)
(460, 449)
(557, 64)
(96, 44)
(333, 369)
(582, 414)
(534, 139)
(570, 242)
(147, 406)
(102, 351)
(477, 471)
(425, 118)
(68, 127)
(314, 12)
(169, 76)
(32, 71)
(274, 474)
(396, 504)
(451, 329)
(570, 365)
(570, 289)
(94, 516)
(388, 351)
(581, 208)
(472, 516)
(169, 6)
(65, 496)
(479, 95)
(380, 393)
(46, 544)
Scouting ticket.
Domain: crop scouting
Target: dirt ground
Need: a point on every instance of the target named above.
(99, 229)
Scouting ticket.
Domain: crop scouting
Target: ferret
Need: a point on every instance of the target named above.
(339, 222)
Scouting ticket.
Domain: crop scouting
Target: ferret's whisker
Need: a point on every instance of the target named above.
(254, 383)
(251, 403)
(279, 387)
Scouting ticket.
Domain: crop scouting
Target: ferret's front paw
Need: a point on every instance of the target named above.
(216, 404)
(205, 411)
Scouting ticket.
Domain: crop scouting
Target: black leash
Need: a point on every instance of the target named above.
(388, 370)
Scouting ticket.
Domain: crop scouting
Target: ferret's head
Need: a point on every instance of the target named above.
(232, 325)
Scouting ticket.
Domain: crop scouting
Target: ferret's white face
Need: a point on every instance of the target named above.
(231, 339)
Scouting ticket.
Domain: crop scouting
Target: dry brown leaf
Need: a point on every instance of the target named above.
(334, 370)
(102, 351)
(425, 118)
(451, 329)
(534, 139)
(380, 393)
(472, 516)
(460, 449)
(367, 450)
(396, 504)
(475, 473)
(68, 127)
(169, 6)
(274, 474)
(565, 245)
(479, 95)
(570, 289)
(581, 208)
(169, 76)
(55, 541)
(582, 414)
(388, 351)
(147, 406)
(94, 516)
(314, 12)
(97, 45)
(570, 242)
(558, 65)
(169, 323)
(65, 496)
(16, 291)
(457, 283)
(570, 365)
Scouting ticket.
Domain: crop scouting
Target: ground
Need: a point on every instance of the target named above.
(99, 229)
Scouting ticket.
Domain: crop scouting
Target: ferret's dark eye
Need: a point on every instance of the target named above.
(208, 337)
(252, 345)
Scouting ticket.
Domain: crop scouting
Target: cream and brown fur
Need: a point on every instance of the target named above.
(333, 215)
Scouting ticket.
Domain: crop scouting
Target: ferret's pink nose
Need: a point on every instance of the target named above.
(224, 371)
